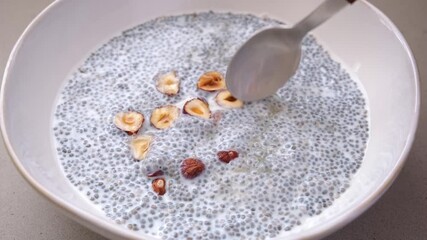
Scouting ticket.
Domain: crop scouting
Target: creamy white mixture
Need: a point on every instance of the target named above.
(297, 150)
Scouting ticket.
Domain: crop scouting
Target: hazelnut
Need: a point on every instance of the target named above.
(197, 107)
(159, 186)
(211, 81)
(164, 117)
(130, 122)
(225, 99)
(227, 156)
(168, 83)
(192, 167)
(140, 146)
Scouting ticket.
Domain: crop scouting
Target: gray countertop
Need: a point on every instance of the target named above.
(400, 214)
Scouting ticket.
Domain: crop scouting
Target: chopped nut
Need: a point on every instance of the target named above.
(217, 116)
(225, 99)
(164, 117)
(168, 83)
(140, 146)
(191, 168)
(197, 107)
(130, 122)
(156, 173)
(159, 186)
(211, 81)
(227, 156)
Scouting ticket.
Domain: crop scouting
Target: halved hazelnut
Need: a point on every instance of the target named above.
(225, 99)
(163, 117)
(159, 186)
(129, 122)
(197, 107)
(192, 167)
(168, 83)
(211, 81)
(140, 146)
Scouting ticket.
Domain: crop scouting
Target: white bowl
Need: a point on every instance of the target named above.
(363, 38)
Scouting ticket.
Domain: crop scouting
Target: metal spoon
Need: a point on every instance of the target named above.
(267, 60)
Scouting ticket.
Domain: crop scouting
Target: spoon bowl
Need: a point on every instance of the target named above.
(261, 56)
(271, 57)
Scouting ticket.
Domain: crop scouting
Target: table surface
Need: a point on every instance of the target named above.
(400, 214)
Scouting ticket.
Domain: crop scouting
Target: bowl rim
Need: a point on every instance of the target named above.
(101, 226)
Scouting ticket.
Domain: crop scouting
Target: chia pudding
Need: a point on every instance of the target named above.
(297, 150)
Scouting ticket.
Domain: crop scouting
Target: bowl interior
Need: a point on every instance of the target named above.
(361, 38)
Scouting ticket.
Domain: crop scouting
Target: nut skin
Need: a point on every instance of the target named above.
(159, 186)
(192, 167)
(217, 116)
(211, 81)
(156, 173)
(227, 156)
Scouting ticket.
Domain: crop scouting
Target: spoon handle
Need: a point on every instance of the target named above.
(322, 13)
